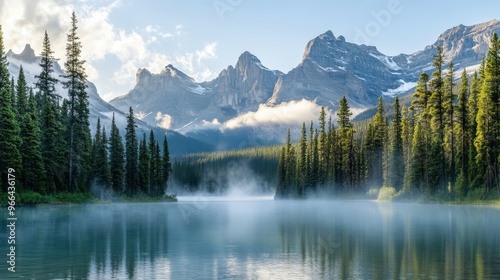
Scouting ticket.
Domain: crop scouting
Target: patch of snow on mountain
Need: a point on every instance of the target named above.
(430, 67)
(197, 90)
(262, 66)
(404, 87)
(469, 69)
(387, 61)
(326, 69)
(341, 61)
(141, 115)
(356, 111)
(360, 78)
(186, 125)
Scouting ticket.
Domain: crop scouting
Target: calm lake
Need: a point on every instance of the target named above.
(256, 238)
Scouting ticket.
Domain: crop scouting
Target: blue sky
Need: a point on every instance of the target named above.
(203, 37)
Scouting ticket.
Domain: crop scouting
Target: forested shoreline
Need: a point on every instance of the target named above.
(48, 151)
(446, 144)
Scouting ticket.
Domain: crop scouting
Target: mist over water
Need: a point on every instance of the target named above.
(258, 238)
(233, 180)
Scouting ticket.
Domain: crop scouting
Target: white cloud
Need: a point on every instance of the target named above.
(167, 35)
(139, 115)
(193, 62)
(150, 29)
(208, 52)
(214, 124)
(155, 32)
(286, 113)
(204, 74)
(164, 120)
(178, 29)
(186, 61)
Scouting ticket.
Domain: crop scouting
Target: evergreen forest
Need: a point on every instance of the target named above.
(47, 143)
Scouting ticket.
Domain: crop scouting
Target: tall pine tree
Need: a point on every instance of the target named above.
(166, 166)
(437, 113)
(345, 137)
(322, 149)
(396, 156)
(301, 172)
(153, 168)
(78, 127)
(21, 94)
(375, 147)
(53, 142)
(421, 96)
(116, 158)
(449, 105)
(46, 82)
(474, 175)
(131, 156)
(462, 115)
(143, 166)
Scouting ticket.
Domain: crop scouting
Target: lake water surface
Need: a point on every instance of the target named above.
(256, 238)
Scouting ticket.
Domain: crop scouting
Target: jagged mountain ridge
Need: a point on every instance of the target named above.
(248, 83)
(98, 107)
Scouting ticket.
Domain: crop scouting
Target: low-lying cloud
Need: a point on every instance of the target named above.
(286, 113)
(164, 120)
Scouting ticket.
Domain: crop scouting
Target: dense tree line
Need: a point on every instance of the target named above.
(446, 142)
(47, 139)
(216, 172)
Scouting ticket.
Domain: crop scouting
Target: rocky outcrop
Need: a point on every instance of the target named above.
(332, 67)
(170, 92)
(244, 86)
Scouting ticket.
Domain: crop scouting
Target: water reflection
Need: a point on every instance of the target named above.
(396, 241)
(258, 239)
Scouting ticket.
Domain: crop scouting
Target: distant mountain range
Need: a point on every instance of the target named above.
(224, 113)
(330, 68)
